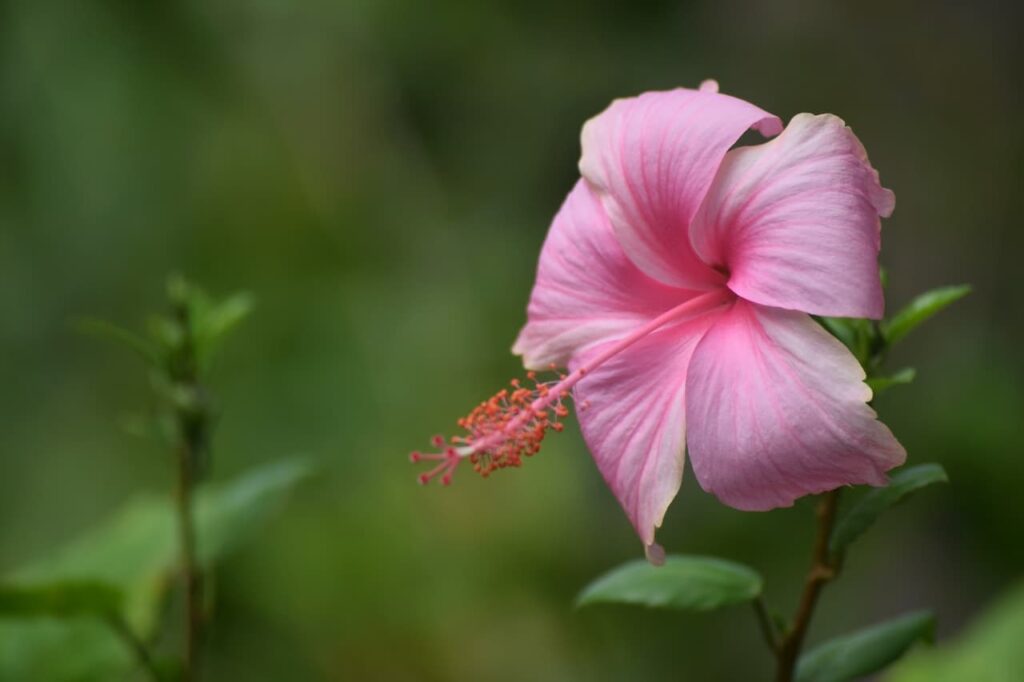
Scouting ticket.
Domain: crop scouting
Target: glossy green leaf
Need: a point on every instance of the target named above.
(920, 309)
(904, 376)
(869, 507)
(59, 599)
(684, 582)
(989, 650)
(866, 651)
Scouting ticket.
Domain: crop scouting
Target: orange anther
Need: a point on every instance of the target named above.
(500, 431)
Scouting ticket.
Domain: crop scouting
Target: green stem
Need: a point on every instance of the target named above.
(824, 568)
(189, 567)
(192, 427)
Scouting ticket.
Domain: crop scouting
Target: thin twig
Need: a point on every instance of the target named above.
(823, 569)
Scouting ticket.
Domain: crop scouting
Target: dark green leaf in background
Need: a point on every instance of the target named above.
(60, 599)
(866, 651)
(988, 651)
(684, 582)
(134, 554)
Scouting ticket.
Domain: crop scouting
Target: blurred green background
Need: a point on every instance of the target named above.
(380, 174)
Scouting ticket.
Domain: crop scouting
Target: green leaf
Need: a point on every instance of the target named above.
(920, 309)
(866, 651)
(989, 650)
(869, 507)
(213, 323)
(230, 515)
(49, 650)
(904, 376)
(59, 599)
(166, 333)
(59, 632)
(107, 331)
(136, 552)
(843, 328)
(860, 336)
(685, 582)
(137, 549)
(222, 318)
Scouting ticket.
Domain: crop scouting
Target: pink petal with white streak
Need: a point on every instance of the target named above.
(777, 409)
(587, 291)
(651, 159)
(633, 417)
(795, 221)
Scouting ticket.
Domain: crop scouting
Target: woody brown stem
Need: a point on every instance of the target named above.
(824, 568)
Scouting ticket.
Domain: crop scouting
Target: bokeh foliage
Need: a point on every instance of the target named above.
(381, 174)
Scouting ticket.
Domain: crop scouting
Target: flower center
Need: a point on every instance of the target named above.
(501, 431)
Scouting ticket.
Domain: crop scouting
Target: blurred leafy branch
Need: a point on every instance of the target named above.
(97, 608)
(693, 583)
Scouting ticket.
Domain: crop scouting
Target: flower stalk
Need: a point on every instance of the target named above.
(824, 568)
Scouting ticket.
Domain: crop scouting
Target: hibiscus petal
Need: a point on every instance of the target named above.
(777, 409)
(651, 159)
(587, 291)
(632, 414)
(795, 221)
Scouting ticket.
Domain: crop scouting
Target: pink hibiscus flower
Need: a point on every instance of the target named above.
(676, 284)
